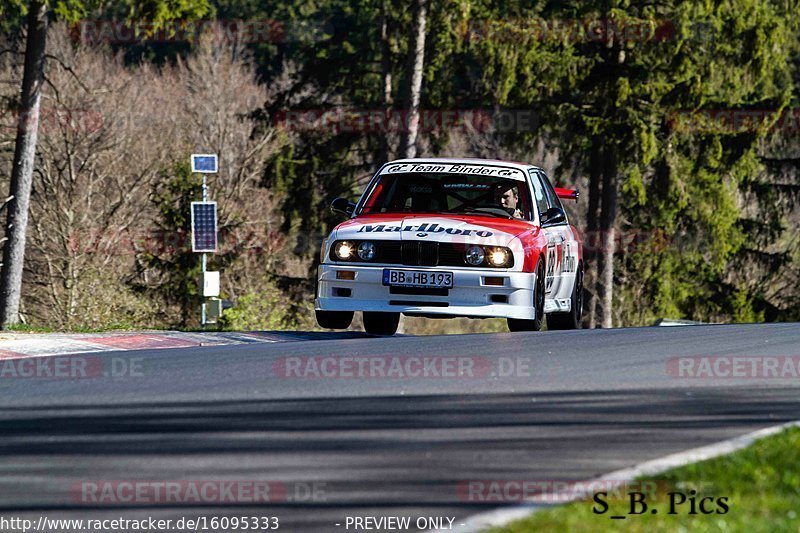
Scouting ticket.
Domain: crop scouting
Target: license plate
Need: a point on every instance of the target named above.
(417, 278)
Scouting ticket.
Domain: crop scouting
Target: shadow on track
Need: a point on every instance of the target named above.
(374, 455)
(230, 427)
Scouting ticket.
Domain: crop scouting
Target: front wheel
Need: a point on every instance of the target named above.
(518, 324)
(376, 323)
(334, 319)
(572, 319)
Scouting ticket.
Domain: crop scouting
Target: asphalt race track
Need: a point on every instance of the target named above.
(531, 406)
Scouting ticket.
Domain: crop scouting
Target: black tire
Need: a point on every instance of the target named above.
(572, 319)
(334, 319)
(518, 324)
(376, 323)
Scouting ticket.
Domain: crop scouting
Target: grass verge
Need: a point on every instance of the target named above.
(761, 484)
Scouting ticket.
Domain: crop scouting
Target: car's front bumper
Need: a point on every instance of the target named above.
(470, 296)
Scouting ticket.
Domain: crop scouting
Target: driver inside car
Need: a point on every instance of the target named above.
(508, 200)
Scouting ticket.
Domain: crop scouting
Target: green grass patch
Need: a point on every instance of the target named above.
(27, 328)
(111, 328)
(761, 484)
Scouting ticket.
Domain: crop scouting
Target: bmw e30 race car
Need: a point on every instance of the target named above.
(453, 237)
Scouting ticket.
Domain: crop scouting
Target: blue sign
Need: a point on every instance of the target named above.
(204, 163)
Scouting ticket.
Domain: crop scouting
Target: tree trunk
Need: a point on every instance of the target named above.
(408, 141)
(608, 217)
(608, 207)
(592, 238)
(386, 73)
(22, 167)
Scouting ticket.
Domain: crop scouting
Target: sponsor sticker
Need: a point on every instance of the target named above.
(424, 228)
(455, 168)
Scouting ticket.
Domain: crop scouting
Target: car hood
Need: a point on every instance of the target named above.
(433, 227)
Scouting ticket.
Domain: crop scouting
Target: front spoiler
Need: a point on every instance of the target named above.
(469, 297)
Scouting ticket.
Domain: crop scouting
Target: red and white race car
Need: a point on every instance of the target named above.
(453, 237)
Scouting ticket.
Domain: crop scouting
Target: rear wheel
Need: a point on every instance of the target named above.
(334, 319)
(517, 324)
(572, 319)
(376, 323)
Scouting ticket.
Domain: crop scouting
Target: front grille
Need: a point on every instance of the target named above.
(419, 253)
(452, 254)
(389, 252)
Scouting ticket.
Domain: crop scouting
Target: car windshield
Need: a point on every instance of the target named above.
(423, 192)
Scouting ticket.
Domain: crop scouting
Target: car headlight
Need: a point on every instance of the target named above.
(499, 256)
(344, 250)
(366, 251)
(475, 255)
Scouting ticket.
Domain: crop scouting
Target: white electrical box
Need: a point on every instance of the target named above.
(210, 283)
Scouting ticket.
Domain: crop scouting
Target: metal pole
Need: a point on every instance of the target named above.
(203, 266)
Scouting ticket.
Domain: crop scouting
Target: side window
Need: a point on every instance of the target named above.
(552, 197)
(539, 193)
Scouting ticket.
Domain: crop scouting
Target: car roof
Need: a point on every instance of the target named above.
(465, 161)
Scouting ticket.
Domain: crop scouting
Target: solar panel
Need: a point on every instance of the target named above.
(204, 163)
(204, 226)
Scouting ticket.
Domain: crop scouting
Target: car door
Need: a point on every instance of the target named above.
(558, 236)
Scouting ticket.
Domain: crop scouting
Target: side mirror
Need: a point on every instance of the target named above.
(343, 206)
(553, 216)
